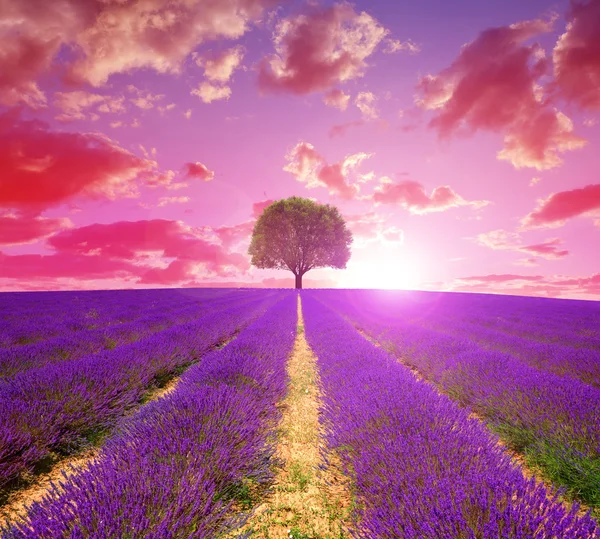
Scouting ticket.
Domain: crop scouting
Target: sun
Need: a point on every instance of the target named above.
(383, 274)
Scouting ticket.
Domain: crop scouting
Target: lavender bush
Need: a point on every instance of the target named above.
(107, 335)
(421, 467)
(552, 420)
(181, 465)
(58, 407)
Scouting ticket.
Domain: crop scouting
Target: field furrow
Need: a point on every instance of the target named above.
(309, 496)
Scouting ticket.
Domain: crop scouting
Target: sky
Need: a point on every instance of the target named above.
(141, 139)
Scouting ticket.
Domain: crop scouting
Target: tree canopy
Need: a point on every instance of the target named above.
(298, 234)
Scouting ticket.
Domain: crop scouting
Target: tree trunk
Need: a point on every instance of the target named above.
(299, 281)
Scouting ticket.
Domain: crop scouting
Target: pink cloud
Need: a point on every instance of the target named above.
(22, 60)
(503, 278)
(493, 85)
(76, 105)
(395, 45)
(411, 195)
(577, 56)
(341, 129)
(372, 227)
(199, 171)
(530, 284)
(501, 239)
(336, 98)
(209, 92)
(365, 102)
(64, 265)
(109, 38)
(220, 68)
(41, 168)
(547, 249)
(137, 240)
(233, 235)
(175, 272)
(310, 167)
(15, 230)
(560, 207)
(143, 99)
(258, 207)
(318, 50)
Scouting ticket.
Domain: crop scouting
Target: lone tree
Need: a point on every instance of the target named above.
(298, 234)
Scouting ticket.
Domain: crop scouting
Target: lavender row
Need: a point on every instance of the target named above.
(176, 467)
(554, 421)
(420, 466)
(553, 321)
(86, 342)
(581, 363)
(59, 406)
(35, 317)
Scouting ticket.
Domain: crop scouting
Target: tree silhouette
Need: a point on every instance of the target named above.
(298, 234)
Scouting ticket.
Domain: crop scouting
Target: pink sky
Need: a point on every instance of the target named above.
(140, 140)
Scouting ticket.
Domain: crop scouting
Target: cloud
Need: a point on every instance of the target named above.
(76, 105)
(336, 98)
(559, 207)
(339, 130)
(109, 38)
(135, 240)
(231, 236)
(164, 201)
(42, 168)
(577, 56)
(493, 85)
(209, 92)
(25, 268)
(143, 99)
(199, 171)
(20, 229)
(220, 68)
(259, 207)
(365, 102)
(188, 114)
(371, 227)
(411, 195)
(319, 50)
(310, 167)
(547, 249)
(22, 60)
(395, 45)
(503, 278)
(503, 240)
(531, 285)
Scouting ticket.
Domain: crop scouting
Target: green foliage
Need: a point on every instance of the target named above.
(298, 234)
(579, 474)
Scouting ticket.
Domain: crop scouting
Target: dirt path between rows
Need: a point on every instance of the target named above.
(308, 500)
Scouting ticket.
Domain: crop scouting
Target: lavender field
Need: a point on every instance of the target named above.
(448, 415)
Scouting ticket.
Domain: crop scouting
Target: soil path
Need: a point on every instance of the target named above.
(309, 500)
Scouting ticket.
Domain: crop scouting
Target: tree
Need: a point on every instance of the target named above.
(298, 234)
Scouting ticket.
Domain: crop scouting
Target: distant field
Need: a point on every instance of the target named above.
(448, 415)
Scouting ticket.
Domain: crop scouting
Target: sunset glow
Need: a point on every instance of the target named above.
(140, 141)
